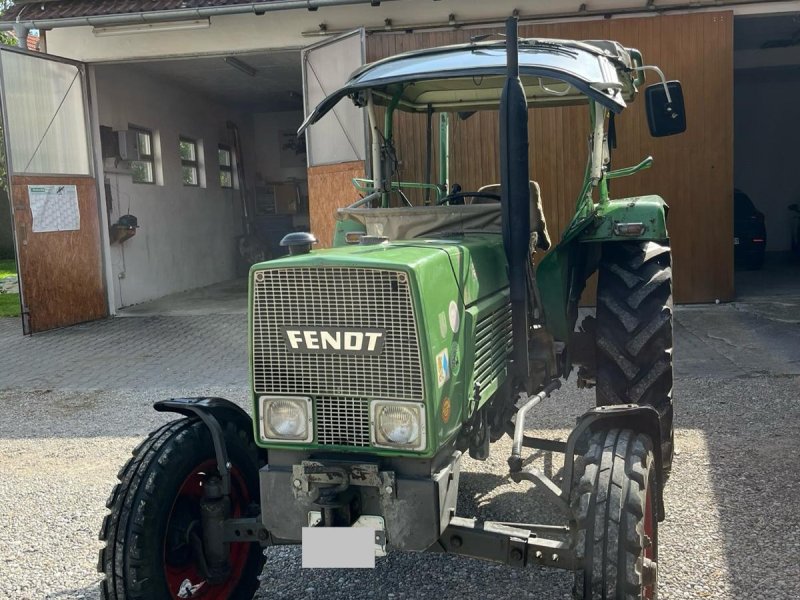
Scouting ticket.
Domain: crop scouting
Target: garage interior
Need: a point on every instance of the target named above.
(766, 154)
(221, 133)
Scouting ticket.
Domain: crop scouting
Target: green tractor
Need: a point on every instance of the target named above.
(425, 333)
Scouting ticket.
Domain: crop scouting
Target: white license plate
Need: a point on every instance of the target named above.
(343, 547)
(736, 241)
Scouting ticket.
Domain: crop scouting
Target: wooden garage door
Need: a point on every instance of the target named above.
(693, 171)
(54, 201)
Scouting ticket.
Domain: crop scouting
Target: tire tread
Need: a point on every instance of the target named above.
(634, 331)
(122, 560)
(608, 504)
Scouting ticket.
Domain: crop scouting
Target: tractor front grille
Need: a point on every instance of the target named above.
(335, 298)
(342, 421)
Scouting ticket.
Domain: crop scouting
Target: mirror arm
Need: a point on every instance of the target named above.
(660, 73)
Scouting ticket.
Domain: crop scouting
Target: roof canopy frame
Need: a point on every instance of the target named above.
(600, 71)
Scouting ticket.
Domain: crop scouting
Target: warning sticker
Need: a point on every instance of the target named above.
(442, 367)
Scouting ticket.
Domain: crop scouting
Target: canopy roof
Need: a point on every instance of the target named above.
(468, 77)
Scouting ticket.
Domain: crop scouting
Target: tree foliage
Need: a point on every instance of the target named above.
(6, 37)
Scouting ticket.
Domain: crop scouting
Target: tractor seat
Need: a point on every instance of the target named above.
(538, 223)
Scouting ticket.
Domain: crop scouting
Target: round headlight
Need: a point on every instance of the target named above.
(398, 424)
(287, 418)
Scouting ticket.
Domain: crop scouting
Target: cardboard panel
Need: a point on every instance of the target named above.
(330, 187)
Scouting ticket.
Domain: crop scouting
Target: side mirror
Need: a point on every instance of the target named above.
(666, 114)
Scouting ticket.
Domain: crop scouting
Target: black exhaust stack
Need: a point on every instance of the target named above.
(515, 181)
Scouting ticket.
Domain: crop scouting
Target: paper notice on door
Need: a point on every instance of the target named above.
(54, 208)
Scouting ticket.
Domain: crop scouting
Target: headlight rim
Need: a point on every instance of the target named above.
(262, 418)
(373, 425)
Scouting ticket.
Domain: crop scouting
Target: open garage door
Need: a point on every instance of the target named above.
(52, 190)
(336, 147)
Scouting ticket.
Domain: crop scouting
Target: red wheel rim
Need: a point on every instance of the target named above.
(650, 550)
(189, 496)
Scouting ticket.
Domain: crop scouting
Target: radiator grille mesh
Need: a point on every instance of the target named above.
(335, 297)
(493, 343)
(342, 421)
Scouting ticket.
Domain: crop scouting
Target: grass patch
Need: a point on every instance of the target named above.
(9, 303)
(7, 267)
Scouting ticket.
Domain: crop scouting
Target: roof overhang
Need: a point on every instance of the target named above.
(81, 13)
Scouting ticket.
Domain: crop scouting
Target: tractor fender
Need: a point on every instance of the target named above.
(640, 418)
(223, 410)
(563, 272)
(214, 413)
(608, 224)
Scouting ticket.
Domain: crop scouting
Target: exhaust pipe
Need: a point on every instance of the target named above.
(515, 181)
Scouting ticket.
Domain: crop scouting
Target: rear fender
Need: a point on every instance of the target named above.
(563, 272)
(641, 419)
(648, 211)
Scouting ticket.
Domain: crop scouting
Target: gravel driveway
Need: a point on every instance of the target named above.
(731, 531)
(732, 528)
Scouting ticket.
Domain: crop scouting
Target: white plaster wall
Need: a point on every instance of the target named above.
(766, 152)
(283, 29)
(187, 235)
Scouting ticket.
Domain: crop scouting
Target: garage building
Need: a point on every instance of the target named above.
(175, 126)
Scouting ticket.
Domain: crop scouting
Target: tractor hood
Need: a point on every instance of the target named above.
(468, 77)
(467, 261)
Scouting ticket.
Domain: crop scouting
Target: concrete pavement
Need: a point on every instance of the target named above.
(197, 351)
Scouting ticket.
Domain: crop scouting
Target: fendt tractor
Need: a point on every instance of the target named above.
(427, 331)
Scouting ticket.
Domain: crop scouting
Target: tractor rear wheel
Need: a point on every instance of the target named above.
(616, 526)
(633, 331)
(153, 533)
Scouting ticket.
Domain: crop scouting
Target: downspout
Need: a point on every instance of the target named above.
(21, 30)
(181, 14)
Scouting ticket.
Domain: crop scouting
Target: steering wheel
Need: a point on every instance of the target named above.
(461, 195)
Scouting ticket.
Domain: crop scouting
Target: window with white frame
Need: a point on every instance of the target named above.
(225, 166)
(143, 170)
(190, 165)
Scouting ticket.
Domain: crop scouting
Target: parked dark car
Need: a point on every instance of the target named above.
(749, 232)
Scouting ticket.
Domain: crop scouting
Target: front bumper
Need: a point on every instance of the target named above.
(416, 509)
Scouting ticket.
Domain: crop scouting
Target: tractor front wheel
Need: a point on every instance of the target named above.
(153, 532)
(634, 331)
(616, 526)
